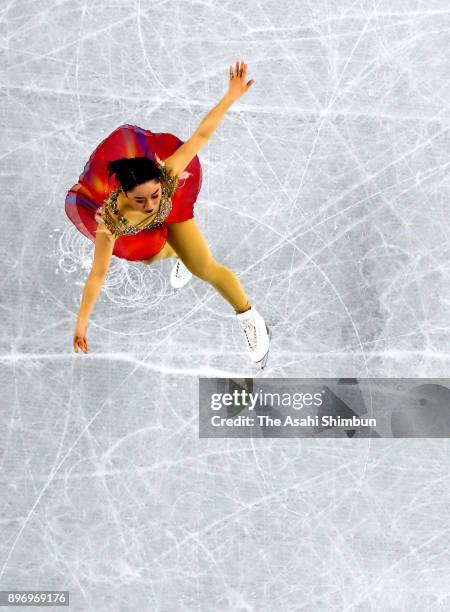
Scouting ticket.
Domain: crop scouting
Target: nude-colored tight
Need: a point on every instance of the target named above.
(186, 241)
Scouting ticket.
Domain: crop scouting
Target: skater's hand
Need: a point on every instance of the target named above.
(237, 86)
(79, 337)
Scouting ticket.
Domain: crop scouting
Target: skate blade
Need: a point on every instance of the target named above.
(263, 361)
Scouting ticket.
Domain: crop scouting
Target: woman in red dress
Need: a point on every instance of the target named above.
(147, 214)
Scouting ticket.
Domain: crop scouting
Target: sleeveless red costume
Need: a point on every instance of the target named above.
(93, 187)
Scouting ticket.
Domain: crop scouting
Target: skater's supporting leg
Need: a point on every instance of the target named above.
(190, 245)
(165, 252)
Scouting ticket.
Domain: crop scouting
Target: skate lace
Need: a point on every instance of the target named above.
(181, 270)
(250, 334)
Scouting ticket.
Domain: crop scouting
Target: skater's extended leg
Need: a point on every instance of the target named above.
(188, 241)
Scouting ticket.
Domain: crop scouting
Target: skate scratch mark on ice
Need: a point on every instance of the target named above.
(226, 520)
(161, 40)
(324, 112)
(295, 234)
(86, 36)
(388, 571)
(401, 157)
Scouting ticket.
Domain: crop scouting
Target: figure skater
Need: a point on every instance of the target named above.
(149, 214)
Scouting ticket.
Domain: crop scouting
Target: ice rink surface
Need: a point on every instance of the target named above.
(326, 190)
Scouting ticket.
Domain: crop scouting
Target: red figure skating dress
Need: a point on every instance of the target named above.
(91, 199)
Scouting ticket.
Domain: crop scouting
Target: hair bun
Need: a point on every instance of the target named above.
(132, 171)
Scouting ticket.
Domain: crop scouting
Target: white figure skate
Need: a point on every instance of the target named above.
(257, 335)
(180, 275)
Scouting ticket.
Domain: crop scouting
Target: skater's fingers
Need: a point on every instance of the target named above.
(236, 71)
(80, 343)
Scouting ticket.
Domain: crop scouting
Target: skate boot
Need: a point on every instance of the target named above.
(257, 335)
(180, 275)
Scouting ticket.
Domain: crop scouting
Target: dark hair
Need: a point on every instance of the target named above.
(132, 171)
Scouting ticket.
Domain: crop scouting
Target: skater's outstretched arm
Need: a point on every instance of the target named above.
(104, 245)
(179, 160)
